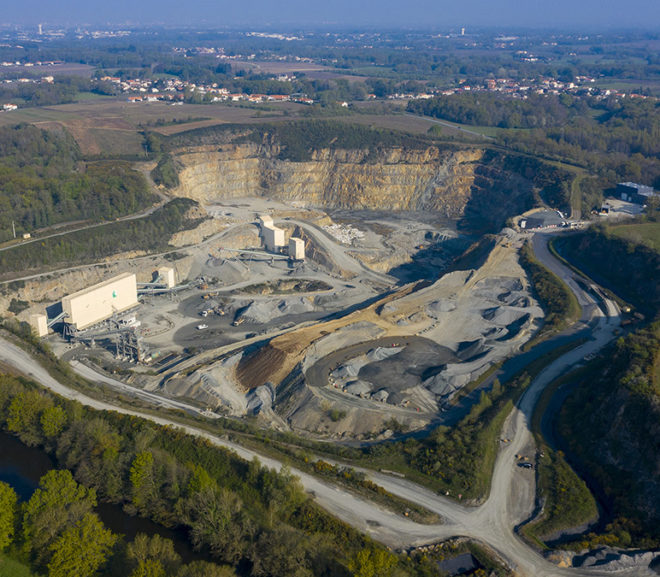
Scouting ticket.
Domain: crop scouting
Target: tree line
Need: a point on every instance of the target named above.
(297, 141)
(618, 139)
(491, 109)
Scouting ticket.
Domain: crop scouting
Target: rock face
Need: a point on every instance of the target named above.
(394, 179)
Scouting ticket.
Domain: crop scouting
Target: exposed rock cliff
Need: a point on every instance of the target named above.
(452, 183)
(393, 179)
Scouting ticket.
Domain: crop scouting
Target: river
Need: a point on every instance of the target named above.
(22, 467)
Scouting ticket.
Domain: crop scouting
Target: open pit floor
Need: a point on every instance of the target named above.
(367, 329)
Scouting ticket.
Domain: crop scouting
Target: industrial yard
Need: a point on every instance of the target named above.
(327, 323)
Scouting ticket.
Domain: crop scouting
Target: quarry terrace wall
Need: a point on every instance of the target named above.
(429, 179)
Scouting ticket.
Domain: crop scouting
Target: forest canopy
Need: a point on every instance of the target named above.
(44, 181)
(618, 139)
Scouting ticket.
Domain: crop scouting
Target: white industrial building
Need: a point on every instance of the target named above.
(296, 248)
(273, 237)
(166, 276)
(265, 220)
(39, 323)
(99, 302)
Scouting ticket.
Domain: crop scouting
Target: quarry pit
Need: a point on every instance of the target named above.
(374, 331)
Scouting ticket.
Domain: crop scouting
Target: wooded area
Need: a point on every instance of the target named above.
(245, 515)
(610, 422)
(616, 138)
(44, 181)
(150, 234)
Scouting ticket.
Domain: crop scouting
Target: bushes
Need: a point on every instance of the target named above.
(166, 173)
(17, 306)
(567, 502)
(297, 140)
(461, 459)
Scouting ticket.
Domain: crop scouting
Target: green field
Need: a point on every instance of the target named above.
(646, 233)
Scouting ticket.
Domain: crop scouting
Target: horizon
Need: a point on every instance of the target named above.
(341, 14)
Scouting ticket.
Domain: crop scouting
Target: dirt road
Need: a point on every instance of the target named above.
(491, 523)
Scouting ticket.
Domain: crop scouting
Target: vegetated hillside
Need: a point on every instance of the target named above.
(43, 182)
(296, 141)
(238, 513)
(558, 302)
(611, 422)
(501, 177)
(624, 264)
(338, 165)
(150, 234)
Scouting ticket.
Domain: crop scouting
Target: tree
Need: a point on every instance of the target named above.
(8, 500)
(435, 130)
(216, 519)
(372, 563)
(141, 476)
(82, 549)
(283, 551)
(204, 569)
(149, 568)
(199, 479)
(53, 420)
(93, 450)
(59, 502)
(24, 413)
(148, 552)
(282, 492)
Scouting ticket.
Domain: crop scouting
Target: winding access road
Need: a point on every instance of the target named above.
(491, 523)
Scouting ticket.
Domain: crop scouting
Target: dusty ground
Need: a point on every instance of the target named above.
(339, 345)
(444, 336)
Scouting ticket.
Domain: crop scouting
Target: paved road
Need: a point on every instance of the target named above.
(491, 523)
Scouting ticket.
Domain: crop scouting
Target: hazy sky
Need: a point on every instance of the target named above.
(392, 13)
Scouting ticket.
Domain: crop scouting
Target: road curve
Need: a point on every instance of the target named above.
(491, 523)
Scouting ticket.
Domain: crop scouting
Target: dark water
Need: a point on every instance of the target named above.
(22, 467)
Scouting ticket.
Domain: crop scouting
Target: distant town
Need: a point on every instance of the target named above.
(528, 64)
